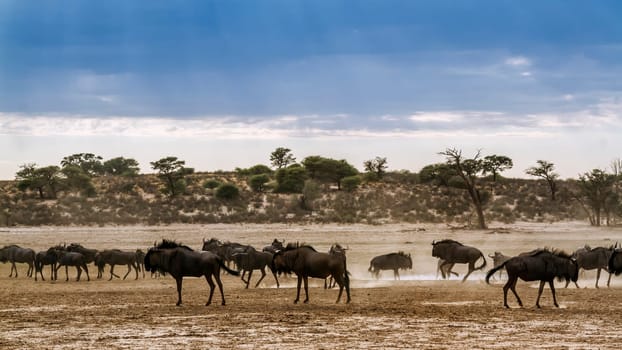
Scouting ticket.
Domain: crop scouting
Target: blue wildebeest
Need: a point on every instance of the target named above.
(336, 250)
(179, 260)
(16, 254)
(140, 261)
(66, 258)
(498, 259)
(305, 262)
(542, 265)
(454, 252)
(88, 254)
(593, 258)
(254, 260)
(391, 261)
(47, 257)
(114, 257)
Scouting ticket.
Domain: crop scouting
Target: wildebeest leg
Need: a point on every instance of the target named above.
(276, 279)
(396, 274)
(178, 280)
(13, 267)
(248, 281)
(540, 293)
(30, 269)
(129, 269)
(552, 285)
(340, 283)
(597, 276)
(208, 278)
(306, 281)
(471, 269)
(609, 279)
(511, 284)
(66, 273)
(298, 289)
(222, 294)
(136, 268)
(112, 272)
(79, 271)
(263, 274)
(86, 269)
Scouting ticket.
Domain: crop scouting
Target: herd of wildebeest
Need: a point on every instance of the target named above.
(178, 260)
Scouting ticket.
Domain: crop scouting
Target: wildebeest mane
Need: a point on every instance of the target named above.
(447, 241)
(292, 246)
(170, 244)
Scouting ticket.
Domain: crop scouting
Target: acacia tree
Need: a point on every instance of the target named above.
(121, 166)
(377, 166)
(89, 163)
(545, 171)
(328, 170)
(282, 157)
(173, 172)
(495, 164)
(596, 194)
(467, 169)
(39, 179)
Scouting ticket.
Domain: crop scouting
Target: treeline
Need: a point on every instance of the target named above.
(85, 189)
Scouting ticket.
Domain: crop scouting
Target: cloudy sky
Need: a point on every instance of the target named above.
(221, 84)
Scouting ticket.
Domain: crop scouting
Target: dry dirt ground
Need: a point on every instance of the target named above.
(418, 311)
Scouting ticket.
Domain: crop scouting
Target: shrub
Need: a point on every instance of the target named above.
(211, 184)
(350, 183)
(227, 191)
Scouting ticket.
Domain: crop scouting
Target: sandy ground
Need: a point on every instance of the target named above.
(418, 311)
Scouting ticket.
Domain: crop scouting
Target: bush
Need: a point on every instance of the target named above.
(211, 184)
(350, 183)
(227, 191)
(257, 182)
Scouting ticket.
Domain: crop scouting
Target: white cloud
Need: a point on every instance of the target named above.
(518, 61)
(526, 74)
(437, 117)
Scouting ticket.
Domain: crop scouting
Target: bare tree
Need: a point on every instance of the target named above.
(545, 171)
(468, 169)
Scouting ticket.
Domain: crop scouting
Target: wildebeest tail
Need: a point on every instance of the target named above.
(493, 271)
(484, 264)
(230, 271)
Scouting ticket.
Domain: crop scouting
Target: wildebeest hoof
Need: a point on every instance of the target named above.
(296, 301)
(223, 303)
(306, 301)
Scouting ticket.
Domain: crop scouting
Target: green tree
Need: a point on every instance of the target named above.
(545, 171)
(227, 192)
(596, 194)
(254, 170)
(282, 157)
(328, 170)
(77, 180)
(90, 164)
(121, 166)
(258, 182)
(291, 179)
(467, 169)
(438, 174)
(310, 193)
(39, 179)
(377, 166)
(173, 172)
(351, 183)
(495, 164)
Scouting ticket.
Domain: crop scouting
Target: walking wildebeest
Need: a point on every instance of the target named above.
(16, 254)
(391, 261)
(305, 262)
(454, 252)
(180, 260)
(114, 257)
(498, 259)
(542, 265)
(66, 258)
(615, 262)
(337, 250)
(46, 257)
(89, 254)
(254, 260)
(593, 258)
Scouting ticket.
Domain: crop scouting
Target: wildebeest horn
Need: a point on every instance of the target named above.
(433, 242)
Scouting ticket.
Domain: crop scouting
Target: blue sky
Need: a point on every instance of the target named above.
(221, 84)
